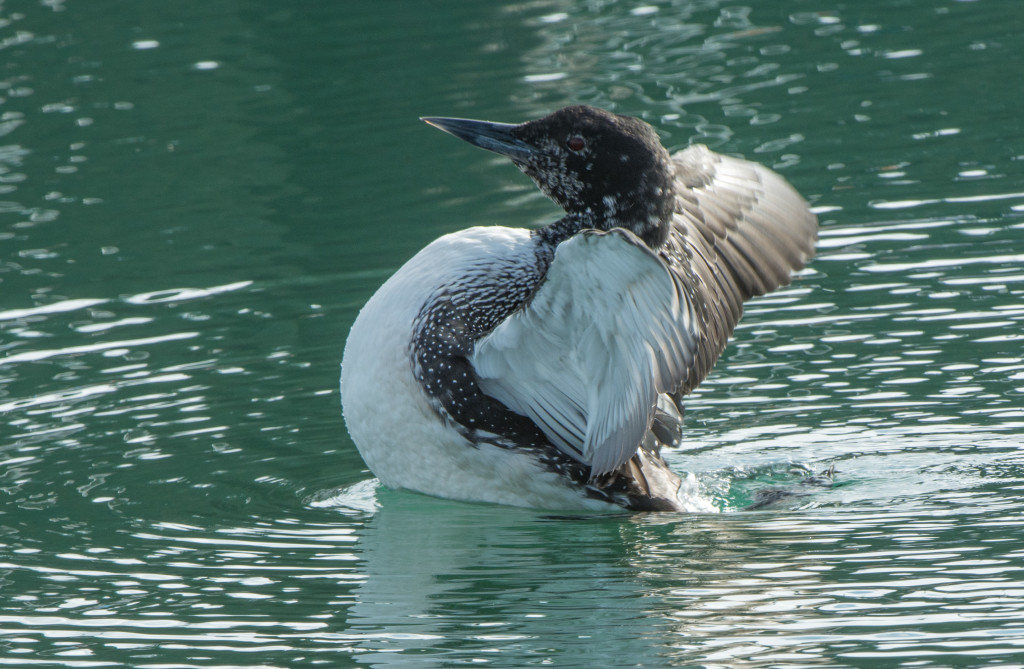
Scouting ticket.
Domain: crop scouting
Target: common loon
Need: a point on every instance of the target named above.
(546, 368)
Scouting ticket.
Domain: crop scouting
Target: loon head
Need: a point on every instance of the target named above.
(606, 170)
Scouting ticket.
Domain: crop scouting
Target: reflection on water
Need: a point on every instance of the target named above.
(194, 204)
(869, 583)
(454, 583)
(821, 586)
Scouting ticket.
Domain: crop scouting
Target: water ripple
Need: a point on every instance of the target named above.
(178, 487)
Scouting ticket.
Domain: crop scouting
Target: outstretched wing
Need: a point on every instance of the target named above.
(615, 324)
(608, 330)
(739, 231)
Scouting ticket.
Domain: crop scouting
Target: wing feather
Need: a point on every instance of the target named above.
(617, 330)
(606, 333)
(739, 231)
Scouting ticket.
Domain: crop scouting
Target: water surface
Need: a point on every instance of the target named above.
(196, 199)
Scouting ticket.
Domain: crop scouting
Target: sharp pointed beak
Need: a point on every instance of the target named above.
(497, 137)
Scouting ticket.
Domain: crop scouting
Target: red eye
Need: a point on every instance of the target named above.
(576, 143)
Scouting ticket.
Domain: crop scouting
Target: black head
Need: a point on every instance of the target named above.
(607, 170)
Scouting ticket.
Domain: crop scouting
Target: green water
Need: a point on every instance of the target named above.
(197, 197)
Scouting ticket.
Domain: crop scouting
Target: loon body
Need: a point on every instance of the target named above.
(546, 368)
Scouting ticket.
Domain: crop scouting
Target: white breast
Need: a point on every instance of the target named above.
(401, 437)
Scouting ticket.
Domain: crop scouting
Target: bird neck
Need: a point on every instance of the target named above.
(555, 233)
(648, 224)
